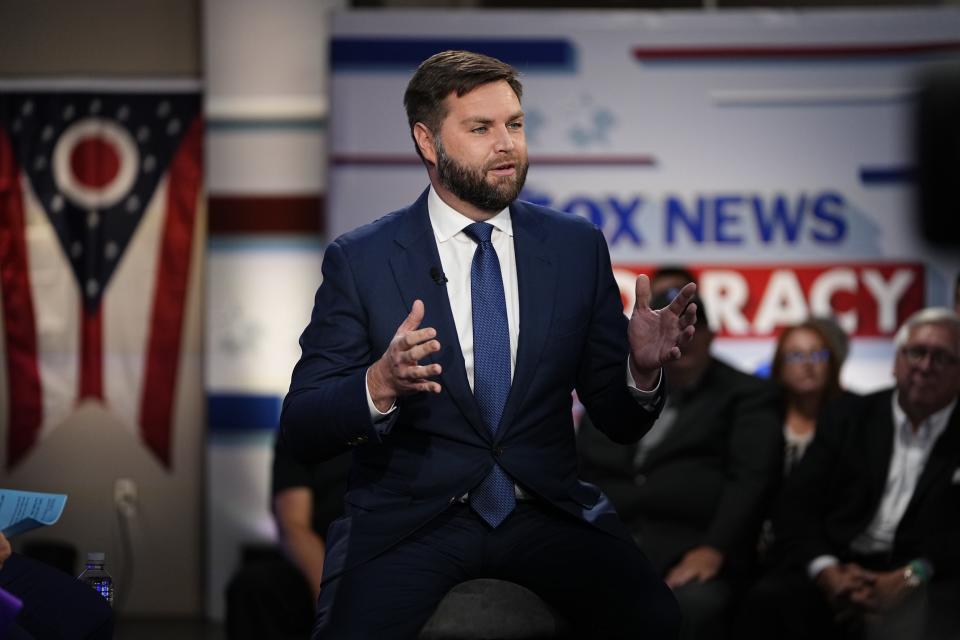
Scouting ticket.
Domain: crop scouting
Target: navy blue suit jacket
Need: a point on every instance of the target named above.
(573, 334)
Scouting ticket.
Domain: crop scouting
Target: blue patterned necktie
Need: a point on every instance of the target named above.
(493, 499)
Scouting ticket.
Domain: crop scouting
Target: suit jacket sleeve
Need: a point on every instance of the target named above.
(601, 379)
(326, 411)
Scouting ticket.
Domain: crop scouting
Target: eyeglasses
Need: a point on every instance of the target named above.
(938, 357)
(816, 357)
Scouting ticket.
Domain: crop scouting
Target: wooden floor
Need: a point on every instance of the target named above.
(166, 629)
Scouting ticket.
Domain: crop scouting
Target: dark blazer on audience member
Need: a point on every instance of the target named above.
(835, 491)
(707, 482)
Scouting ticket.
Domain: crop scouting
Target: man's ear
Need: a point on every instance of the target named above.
(424, 138)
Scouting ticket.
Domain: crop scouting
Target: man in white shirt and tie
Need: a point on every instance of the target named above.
(445, 342)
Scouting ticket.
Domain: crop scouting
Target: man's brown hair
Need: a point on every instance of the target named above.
(448, 72)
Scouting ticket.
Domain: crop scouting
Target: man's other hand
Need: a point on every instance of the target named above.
(656, 335)
(398, 371)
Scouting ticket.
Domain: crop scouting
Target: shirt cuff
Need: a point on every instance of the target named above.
(646, 398)
(377, 416)
(642, 393)
(820, 563)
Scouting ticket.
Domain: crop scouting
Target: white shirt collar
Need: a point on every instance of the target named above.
(932, 427)
(448, 222)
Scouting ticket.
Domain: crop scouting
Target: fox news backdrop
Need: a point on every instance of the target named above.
(769, 151)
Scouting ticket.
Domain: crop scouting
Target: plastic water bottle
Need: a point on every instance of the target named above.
(97, 577)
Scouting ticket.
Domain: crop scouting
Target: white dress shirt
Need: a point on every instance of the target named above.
(456, 251)
(911, 448)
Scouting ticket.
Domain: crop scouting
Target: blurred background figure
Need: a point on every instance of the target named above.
(869, 522)
(274, 595)
(669, 277)
(694, 490)
(806, 368)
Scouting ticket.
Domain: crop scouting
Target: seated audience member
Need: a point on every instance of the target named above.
(806, 368)
(669, 277)
(695, 488)
(869, 523)
(55, 604)
(277, 599)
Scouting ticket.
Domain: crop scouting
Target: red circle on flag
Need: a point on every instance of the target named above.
(94, 162)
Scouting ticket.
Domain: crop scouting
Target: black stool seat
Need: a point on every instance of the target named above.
(487, 609)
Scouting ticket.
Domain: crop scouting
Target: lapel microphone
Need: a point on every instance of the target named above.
(438, 276)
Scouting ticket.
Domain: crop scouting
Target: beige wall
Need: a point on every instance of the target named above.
(84, 456)
(100, 37)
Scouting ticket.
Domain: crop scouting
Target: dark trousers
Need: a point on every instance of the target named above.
(786, 605)
(269, 599)
(604, 585)
(55, 605)
(705, 608)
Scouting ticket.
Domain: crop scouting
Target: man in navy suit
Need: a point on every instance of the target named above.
(465, 465)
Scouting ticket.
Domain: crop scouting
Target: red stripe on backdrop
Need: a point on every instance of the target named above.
(23, 370)
(167, 316)
(91, 353)
(266, 214)
(797, 51)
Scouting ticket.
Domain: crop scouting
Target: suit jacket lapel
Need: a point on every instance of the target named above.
(412, 262)
(536, 284)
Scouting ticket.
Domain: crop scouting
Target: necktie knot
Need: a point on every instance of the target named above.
(479, 231)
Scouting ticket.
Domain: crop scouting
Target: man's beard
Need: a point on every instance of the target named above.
(470, 185)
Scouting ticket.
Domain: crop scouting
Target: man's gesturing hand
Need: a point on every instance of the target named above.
(656, 335)
(398, 371)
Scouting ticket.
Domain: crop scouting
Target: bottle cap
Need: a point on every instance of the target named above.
(96, 556)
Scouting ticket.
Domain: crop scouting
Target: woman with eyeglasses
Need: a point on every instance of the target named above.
(806, 367)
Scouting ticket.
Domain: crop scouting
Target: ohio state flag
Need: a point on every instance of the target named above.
(99, 196)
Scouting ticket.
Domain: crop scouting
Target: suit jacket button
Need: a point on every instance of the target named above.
(498, 451)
